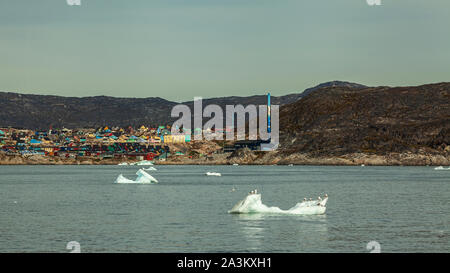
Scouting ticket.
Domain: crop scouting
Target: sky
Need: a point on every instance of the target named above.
(180, 49)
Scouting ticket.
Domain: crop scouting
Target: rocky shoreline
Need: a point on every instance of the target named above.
(394, 159)
(253, 158)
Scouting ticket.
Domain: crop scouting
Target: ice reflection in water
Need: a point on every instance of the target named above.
(301, 230)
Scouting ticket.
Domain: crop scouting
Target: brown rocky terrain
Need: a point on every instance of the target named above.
(375, 121)
(348, 125)
(48, 160)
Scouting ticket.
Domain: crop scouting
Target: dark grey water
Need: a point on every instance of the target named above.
(42, 208)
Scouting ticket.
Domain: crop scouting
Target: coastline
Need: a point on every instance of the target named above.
(251, 158)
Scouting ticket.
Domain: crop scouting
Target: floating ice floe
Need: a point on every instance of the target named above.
(143, 178)
(139, 163)
(440, 168)
(150, 169)
(213, 174)
(143, 163)
(252, 204)
(235, 164)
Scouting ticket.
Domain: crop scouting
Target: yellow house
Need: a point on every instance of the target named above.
(155, 139)
(174, 139)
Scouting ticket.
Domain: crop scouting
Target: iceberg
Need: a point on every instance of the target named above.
(144, 163)
(213, 174)
(139, 163)
(440, 168)
(252, 204)
(143, 178)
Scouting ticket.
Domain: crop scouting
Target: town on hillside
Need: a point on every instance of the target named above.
(147, 143)
(143, 143)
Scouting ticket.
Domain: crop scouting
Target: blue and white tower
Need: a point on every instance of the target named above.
(268, 114)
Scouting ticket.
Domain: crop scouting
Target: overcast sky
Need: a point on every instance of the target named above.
(178, 49)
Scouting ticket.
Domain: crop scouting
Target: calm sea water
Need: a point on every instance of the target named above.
(42, 208)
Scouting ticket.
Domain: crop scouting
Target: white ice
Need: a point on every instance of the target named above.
(440, 168)
(139, 163)
(252, 204)
(213, 174)
(143, 178)
(143, 163)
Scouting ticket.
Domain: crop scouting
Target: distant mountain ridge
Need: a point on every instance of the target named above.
(42, 111)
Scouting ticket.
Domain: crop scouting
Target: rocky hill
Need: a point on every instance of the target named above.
(349, 85)
(339, 120)
(41, 112)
